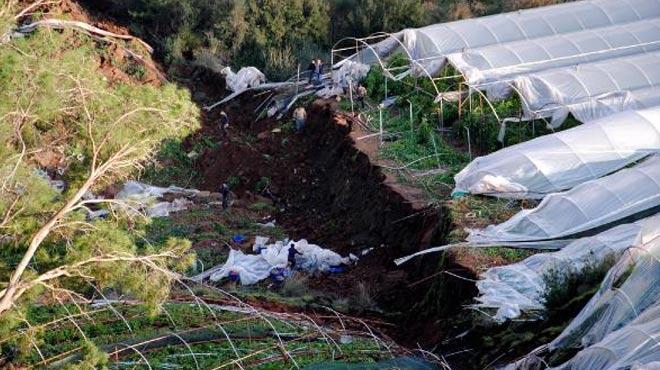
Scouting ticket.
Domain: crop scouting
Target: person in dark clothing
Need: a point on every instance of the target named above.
(361, 92)
(292, 256)
(310, 69)
(318, 70)
(223, 122)
(224, 190)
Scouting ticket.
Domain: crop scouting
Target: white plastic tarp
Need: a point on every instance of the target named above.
(253, 268)
(140, 196)
(593, 90)
(491, 68)
(245, 78)
(564, 159)
(431, 44)
(620, 326)
(521, 286)
(587, 206)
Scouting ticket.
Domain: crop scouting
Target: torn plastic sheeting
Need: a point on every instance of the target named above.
(620, 326)
(253, 268)
(245, 78)
(631, 287)
(564, 159)
(490, 68)
(521, 286)
(145, 197)
(587, 206)
(635, 346)
(350, 72)
(590, 90)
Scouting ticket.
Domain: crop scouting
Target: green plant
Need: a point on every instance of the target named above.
(564, 286)
(262, 184)
(233, 182)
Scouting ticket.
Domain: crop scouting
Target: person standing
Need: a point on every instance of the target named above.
(299, 117)
(223, 122)
(292, 256)
(224, 190)
(318, 70)
(311, 69)
(361, 93)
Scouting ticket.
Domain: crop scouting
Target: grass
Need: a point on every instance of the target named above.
(210, 230)
(250, 336)
(478, 212)
(172, 166)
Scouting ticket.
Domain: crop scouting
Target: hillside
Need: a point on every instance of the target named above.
(133, 225)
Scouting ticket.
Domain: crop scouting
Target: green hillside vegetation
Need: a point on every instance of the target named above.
(276, 35)
(63, 118)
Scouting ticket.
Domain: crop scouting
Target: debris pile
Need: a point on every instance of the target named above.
(275, 259)
(140, 197)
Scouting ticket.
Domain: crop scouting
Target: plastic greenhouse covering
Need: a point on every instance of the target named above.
(492, 67)
(592, 90)
(620, 326)
(564, 159)
(431, 44)
(586, 207)
(521, 286)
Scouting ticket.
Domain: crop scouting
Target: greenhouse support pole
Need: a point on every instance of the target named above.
(380, 114)
(468, 142)
(460, 100)
(332, 64)
(435, 148)
(470, 99)
(298, 79)
(350, 95)
(411, 116)
(385, 77)
(442, 116)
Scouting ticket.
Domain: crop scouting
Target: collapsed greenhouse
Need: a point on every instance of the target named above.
(598, 183)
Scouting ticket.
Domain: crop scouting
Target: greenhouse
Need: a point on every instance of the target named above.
(586, 207)
(552, 57)
(430, 45)
(491, 68)
(592, 90)
(565, 159)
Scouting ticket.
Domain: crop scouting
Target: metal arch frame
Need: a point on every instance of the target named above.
(360, 44)
(386, 35)
(416, 62)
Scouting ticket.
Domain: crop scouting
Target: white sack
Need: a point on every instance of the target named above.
(564, 159)
(253, 268)
(585, 207)
(245, 78)
(521, 286)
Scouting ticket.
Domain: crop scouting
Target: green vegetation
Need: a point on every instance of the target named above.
(273, 35)
(205, 336)
(63, 118)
